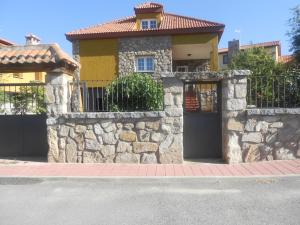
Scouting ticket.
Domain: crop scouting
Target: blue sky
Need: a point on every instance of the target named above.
(257, 20)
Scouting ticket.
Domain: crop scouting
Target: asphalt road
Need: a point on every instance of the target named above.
(173, 201)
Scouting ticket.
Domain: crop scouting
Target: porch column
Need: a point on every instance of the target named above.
(234, 103)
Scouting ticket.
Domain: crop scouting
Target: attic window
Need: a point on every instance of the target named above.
(149, 24)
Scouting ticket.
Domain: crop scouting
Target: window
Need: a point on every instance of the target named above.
(149, 24)
(182, 69)
(152, 24)
(145, 64)
(225, 59)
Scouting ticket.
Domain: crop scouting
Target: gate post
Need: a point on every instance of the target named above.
(234, 103)
(57, 94)
(57, 98)
(171, 149)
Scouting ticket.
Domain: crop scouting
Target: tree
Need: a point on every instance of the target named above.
(294, 32)
(256, 60)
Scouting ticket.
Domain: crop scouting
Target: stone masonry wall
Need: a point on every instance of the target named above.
(234, 92)
(139, 137)
(271, 134)
(256, 134)
(120, 137)
(159, 47)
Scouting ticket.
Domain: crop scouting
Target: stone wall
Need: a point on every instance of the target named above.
(234, 91)
(135, 137)
(256, 134)
(271, 134)
(120, 137)
(159, 47)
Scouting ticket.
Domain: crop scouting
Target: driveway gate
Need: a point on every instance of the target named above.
(23, 130)
(202, 120)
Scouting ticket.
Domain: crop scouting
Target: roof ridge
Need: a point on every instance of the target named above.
(102, 24)
(261, 43)
(193, 18)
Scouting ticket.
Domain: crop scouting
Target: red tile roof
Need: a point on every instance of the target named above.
(263, 44)
(5, 42)
(170, 24)
(286, 58)
(34, 54)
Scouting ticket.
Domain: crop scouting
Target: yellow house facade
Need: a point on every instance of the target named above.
(152, 41)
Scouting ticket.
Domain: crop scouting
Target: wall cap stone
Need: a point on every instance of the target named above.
(206, 75)
(109, 115)
(273, 111)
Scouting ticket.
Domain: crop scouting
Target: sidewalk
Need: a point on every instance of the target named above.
(33, 169)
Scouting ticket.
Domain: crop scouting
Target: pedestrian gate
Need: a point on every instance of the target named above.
(202, 120)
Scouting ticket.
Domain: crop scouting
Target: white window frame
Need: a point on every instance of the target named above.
(148, 23)
(186, 68)
(145, 64)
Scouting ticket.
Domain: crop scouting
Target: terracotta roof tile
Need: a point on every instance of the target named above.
(257, 45)
(43, 53)
(170, 24)
(286, 58)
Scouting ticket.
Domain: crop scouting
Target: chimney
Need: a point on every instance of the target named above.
(31, 39)
(233, 48)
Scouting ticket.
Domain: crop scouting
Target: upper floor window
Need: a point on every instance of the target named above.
(149, 24)
(225, 59)
(145, 64)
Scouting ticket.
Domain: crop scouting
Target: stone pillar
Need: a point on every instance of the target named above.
(234, 103)
(76, 87)
(57, 93)
(171, 149)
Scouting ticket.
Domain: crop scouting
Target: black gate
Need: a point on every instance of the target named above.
(202, 120)
(23, 130)
(23, 136)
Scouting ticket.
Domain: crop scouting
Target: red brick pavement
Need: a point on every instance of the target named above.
(288, 167)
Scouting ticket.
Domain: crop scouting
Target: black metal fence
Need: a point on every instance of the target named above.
(22, 98)
(282, 91)
(120, 95)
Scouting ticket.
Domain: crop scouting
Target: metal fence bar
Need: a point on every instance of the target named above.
(274, 91)
(22, 98)
(116, 95)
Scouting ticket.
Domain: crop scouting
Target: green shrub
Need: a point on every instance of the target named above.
(135, 92)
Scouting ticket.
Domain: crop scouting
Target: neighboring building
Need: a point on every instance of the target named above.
(272, 47)
(151, 41)
(4, 42)
(21, 77)
(287, 59)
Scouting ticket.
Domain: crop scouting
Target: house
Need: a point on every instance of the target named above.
(29, 59)
(272, 47)
(18, 77)
(150, 41)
